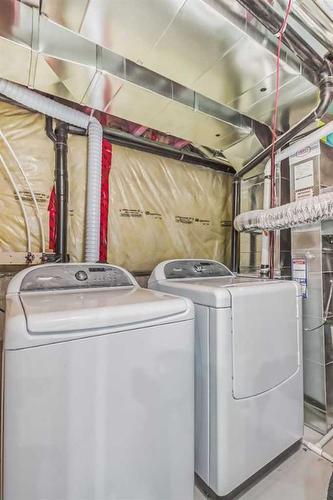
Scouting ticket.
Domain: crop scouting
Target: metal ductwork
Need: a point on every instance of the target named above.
(316, 16)
(267, 16)
(323, 74)
(192, 87)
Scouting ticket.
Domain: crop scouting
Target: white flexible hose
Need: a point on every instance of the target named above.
(19, 197)
(297, 213)
(39, 216)
(52, 108)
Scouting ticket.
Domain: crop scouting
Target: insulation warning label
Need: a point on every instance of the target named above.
(180, 219)
(184, 220)
(26, 196)
(137, 212)
(129, 212)
(299, 274)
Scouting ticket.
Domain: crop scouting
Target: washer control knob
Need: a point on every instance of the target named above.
(198, 268)
(81, 276)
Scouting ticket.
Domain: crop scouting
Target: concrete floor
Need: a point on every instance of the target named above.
(303, 476)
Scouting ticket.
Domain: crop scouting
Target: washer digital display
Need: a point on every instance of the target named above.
(73, 277)
(195, 269)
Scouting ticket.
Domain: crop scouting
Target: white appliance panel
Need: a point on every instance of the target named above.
(255, 400)
(202, 398)
(265, 341)
(66, 311)
(87, 420)
(246, 434)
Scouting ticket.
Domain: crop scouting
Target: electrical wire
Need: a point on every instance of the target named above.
(326, 316)
(274, 124)
(316, 327)
(39, 216)
(19, 197)
(277, 83)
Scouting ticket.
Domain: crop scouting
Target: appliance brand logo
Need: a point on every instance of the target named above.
(304, 151)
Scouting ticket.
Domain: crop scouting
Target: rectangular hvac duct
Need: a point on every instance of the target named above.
(200, 70)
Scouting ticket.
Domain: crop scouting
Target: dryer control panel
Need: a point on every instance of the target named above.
(75, 276)
(195, 268)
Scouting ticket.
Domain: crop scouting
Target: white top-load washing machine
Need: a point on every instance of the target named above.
(249, 380)
(98, 389)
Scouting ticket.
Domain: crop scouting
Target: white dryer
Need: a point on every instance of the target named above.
(98, 389)
(249, 379)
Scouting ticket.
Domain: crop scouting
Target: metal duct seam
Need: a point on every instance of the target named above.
(61, 112)
(312, 17)
(273, 22)
(297, 213)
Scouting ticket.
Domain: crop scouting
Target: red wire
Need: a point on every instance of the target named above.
(274, 122)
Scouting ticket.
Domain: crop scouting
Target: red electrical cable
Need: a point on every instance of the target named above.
(274, 123)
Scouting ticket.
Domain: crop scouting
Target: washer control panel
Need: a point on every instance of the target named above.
(74, 276)
(195, 269)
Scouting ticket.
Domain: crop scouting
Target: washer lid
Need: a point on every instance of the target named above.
(212, 292)
(206, 282)
(82, 310)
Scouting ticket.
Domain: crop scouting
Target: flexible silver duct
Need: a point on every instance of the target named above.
(293, 214)
(52, 108)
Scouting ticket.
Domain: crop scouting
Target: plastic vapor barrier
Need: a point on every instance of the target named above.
(159, 208)
(25, 132)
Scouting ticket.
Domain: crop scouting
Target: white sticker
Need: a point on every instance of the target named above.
(303, 193)
(304, 175)
(299, 274)
(305, 153)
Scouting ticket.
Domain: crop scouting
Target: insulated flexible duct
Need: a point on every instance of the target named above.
(298, 213)
(61, 112)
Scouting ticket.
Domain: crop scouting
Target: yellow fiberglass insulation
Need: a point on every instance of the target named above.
(159, 208)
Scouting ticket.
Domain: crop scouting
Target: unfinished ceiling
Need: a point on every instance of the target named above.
(201, 70)
(316, 15)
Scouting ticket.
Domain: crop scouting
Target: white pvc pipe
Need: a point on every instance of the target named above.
(318, 447)
(266, 205)
(325, 439)
(318, 451)
(61, 112)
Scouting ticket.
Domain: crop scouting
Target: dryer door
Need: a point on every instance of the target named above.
(265, 340)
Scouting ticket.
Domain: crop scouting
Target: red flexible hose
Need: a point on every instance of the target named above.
(274, 125)
(106, 168)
